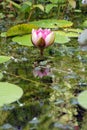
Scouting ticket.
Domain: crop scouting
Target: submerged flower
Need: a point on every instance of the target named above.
(42, 38)
(41, 71)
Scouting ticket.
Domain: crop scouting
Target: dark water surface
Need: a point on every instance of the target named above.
(49, 100)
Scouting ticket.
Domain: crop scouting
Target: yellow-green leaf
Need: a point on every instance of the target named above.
(72, 3)
(20, 29)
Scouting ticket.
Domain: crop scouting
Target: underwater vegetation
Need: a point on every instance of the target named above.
(43, 65)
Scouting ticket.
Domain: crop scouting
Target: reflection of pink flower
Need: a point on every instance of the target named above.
(41, 71)
(76, 127)
(42, 38)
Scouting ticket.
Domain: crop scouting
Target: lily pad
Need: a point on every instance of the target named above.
(58, 1)
(68, 34)
(77, 30)
(52, 23)
(85, 24)
(20, 29)
(24, 40)
(9, 93)
(4, 58)
(61, 38)
(82, 99)
(3, 34)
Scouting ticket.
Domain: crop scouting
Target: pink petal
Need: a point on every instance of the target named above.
(34, 36)
(49, 39)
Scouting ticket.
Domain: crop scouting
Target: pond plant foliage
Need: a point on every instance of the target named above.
(47, 91)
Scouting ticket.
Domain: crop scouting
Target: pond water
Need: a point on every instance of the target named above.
(50, 85)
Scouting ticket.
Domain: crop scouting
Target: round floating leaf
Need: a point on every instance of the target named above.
(9, 93)
(82, 99)
(61, 38)
(20, 29)
(53, 23)
(85, 24)
(4, 58)
(24, 40)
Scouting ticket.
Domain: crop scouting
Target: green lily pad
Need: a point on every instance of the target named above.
(58, 1)
(24, 40)
(9, 93)
(82, 99)
(71, 34)
(52, 23)
(3, 34)
(68, 34)
(4, 58)
(20, 29)
(85, 24)
(61, 38)
(77, 30)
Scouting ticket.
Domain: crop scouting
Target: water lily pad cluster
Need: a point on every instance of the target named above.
(63, 33)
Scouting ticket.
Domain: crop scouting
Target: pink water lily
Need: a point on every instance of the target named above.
(42, 38)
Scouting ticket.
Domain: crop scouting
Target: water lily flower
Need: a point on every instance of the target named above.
(42, 38)
(82, 39)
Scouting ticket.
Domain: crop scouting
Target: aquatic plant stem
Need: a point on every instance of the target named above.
(23, 78)
(41, 52)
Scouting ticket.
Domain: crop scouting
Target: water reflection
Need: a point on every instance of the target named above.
(41, 71)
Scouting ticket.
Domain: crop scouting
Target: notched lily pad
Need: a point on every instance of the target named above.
(9, 93)
(53, 23)
(20, 29)
(24, 40)
(82, 99)
(4, 59)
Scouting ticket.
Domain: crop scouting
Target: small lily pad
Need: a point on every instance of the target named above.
(4, 59)
(3, 34)
(24, 40)
(84, 24)
(9, 93)
(82, 99)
